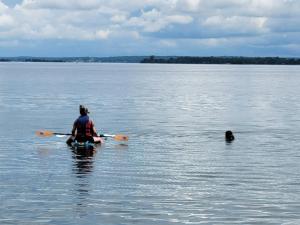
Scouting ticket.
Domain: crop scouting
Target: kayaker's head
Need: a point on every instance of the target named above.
(83, 110)
(229, 136)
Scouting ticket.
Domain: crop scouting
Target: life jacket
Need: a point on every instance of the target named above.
(84, 128)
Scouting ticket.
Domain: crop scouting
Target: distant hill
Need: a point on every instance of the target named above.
(162, 59)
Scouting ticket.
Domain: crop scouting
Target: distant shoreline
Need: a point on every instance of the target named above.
(234, 60)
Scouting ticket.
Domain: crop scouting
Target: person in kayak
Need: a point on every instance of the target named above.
(83, 128)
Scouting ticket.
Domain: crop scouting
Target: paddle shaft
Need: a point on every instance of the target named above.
(100, 135)
(61, 133)
(117, 137)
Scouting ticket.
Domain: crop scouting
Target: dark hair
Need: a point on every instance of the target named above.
(229, 135)
(83, 110)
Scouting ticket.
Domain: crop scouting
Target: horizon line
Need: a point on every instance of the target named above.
(128, 56)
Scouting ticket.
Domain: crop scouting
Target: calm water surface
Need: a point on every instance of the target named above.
(176, 168)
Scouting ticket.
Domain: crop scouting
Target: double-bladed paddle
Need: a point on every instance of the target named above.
(48, 133)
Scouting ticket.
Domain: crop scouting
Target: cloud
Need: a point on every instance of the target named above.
(284, 25)
(3, 7)
(63, 5)
(6, 21)
(168, 24)
(102, 34)
(119, 18)
(235, 25)
(154, 20)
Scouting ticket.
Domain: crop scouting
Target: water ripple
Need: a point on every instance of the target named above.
(176, 167)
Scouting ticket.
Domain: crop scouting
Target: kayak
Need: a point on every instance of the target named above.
(88, 144)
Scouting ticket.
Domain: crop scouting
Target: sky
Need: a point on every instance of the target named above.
(59, 28)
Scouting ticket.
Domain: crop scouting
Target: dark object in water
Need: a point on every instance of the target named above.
(229, 136)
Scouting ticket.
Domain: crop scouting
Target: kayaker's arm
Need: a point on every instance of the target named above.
(74, 129)
(72, 138)
(94, 131)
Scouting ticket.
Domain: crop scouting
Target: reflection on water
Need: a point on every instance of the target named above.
(83, 161)
(121, 146)
(82, 168)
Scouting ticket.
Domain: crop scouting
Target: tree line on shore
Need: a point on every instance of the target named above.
(162, 59)
(223, 60)
(116, 59)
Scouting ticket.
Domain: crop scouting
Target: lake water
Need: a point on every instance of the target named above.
(175, 169)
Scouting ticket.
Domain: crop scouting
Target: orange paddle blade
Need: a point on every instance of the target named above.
(44, 133)
(121, 137)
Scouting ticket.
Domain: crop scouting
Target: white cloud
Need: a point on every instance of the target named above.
(6, 21)
(135, 15)
(118, 18)
(102, 34)
(154, 20)
(179, 19)
(3, 7)
(188, 5)
(237, 24)
(63, 4)
(165, 22)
